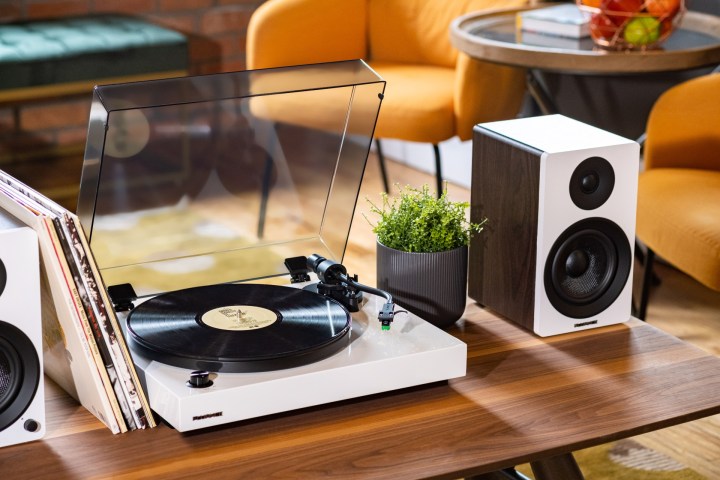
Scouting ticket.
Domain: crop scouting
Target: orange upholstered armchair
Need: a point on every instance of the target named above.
(678, 214)
(433, 93)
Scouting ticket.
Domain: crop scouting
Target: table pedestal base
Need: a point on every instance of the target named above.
(561, 466)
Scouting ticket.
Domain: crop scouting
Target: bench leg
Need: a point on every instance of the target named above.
(16, 117)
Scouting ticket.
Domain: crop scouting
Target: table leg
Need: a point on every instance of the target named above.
(505, 474)
(539, 93)
(561, 466)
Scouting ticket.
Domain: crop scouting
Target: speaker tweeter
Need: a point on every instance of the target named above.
(591, 183)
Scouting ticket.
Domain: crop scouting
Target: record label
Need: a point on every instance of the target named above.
(239, 317)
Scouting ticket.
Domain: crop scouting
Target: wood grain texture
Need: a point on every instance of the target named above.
(357, 439)
(503, 260)
(695, 444)
(523, 399)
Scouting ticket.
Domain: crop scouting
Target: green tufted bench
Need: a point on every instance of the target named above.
(40, 60)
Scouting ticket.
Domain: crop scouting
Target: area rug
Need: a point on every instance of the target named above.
(171, 248)
(626, 460)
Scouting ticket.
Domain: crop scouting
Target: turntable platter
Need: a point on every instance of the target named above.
(239, 328)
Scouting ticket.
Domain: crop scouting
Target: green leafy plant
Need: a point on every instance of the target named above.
(419, 221)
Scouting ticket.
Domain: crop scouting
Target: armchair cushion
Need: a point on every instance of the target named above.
(417, 31)
(485, 92)
(85, 49)
(682, 129)
(419, 111)
(412, 31)
(408, 43)
(670, 222)
(678, 214)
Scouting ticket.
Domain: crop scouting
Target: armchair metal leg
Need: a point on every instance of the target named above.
(646, 283)
(383, 170)
(639, 255)
(438, 170)
(265, 194)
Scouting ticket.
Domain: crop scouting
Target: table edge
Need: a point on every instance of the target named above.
(587, 62)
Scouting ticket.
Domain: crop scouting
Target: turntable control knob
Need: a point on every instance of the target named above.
(199, 379)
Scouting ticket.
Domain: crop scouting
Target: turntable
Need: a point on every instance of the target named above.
(218, 209)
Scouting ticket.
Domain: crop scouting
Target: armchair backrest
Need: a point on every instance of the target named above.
(683, 129)
(417, 31)
(294, 32)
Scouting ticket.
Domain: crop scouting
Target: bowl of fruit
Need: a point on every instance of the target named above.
(632, 24)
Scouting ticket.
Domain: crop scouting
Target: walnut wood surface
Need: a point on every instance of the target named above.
(523, 399)
(503, 260)
(348, 438)
(82, 87)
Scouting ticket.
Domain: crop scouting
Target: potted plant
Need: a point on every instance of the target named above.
(422, 252)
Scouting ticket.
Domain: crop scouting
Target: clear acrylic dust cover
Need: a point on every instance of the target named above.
(219, 178)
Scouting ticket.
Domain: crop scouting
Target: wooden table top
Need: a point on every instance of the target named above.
(524, 398)
(493, 36)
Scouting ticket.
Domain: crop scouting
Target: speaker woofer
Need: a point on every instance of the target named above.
(19, 373)
(587, 267)
(3, 277)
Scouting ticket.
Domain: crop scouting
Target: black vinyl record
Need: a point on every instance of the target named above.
(239, 328)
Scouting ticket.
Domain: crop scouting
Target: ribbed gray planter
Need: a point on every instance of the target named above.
(433, 286)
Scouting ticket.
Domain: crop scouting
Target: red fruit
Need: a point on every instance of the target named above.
(601, 27)
(662, 8)
(629, 6)
(620, 11)
(665, 27)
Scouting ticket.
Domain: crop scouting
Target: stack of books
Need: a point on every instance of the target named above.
(565, 20)
(84, 350)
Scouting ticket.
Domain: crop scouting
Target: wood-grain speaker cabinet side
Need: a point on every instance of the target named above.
(560, 198)
(22, 397)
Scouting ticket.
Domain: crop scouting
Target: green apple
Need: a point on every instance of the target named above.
(642, 31)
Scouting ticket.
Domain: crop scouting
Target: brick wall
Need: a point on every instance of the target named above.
(215, 28)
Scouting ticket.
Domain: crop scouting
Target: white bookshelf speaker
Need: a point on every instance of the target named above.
(22, 393)
(560, 198)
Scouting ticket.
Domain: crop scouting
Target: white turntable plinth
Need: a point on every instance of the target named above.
(413, 352)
